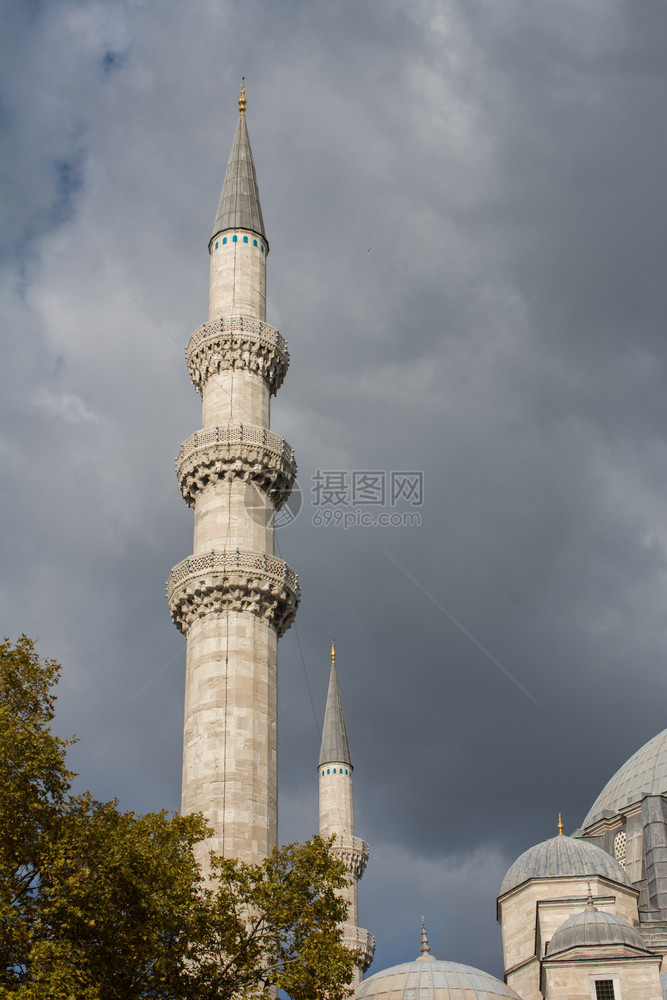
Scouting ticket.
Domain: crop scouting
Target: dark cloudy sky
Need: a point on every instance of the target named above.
(466, 208)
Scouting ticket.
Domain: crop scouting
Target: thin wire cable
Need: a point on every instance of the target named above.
(155, 676)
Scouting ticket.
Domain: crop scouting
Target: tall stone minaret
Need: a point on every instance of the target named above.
(337, 816)
(233, 598)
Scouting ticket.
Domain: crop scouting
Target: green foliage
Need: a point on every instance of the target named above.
(275, 923)
(34, 785)
(100, 904)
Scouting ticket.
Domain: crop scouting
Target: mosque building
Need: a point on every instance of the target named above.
(583, 917)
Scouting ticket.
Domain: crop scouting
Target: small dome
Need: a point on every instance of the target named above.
(644, 774)
(592, 929)
(428, 979)
(560, 857)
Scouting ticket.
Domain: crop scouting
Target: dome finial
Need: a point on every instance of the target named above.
(590, 905)
(242, 100)
(425, 947)
(560, 825)
(333, 654)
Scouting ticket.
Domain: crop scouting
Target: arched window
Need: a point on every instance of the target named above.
(620, 847)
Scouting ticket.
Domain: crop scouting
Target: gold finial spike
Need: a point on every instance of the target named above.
(242, 100)
(560, 825)
(333, 654)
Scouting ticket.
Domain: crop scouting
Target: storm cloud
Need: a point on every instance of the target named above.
(466, 214)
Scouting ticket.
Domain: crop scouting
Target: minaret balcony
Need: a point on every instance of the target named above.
(353, 852)
(236, 451)
(237, 343)
(357, 939)
(219, 582)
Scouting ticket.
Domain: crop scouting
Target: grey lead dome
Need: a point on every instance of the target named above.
(593, 928)
(645, 773)
(560, 857)
(428, 979)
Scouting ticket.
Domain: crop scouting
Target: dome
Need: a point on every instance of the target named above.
(644, 774)
(593, 928)
(560, 857)
(427, 978)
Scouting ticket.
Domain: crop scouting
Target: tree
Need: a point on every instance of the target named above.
(276, 924)
(34, 787)
(101, 904)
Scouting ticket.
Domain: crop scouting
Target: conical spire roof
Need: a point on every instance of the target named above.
(335, 746)
(239, 206)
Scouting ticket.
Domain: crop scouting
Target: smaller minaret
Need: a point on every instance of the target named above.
(337, 816)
